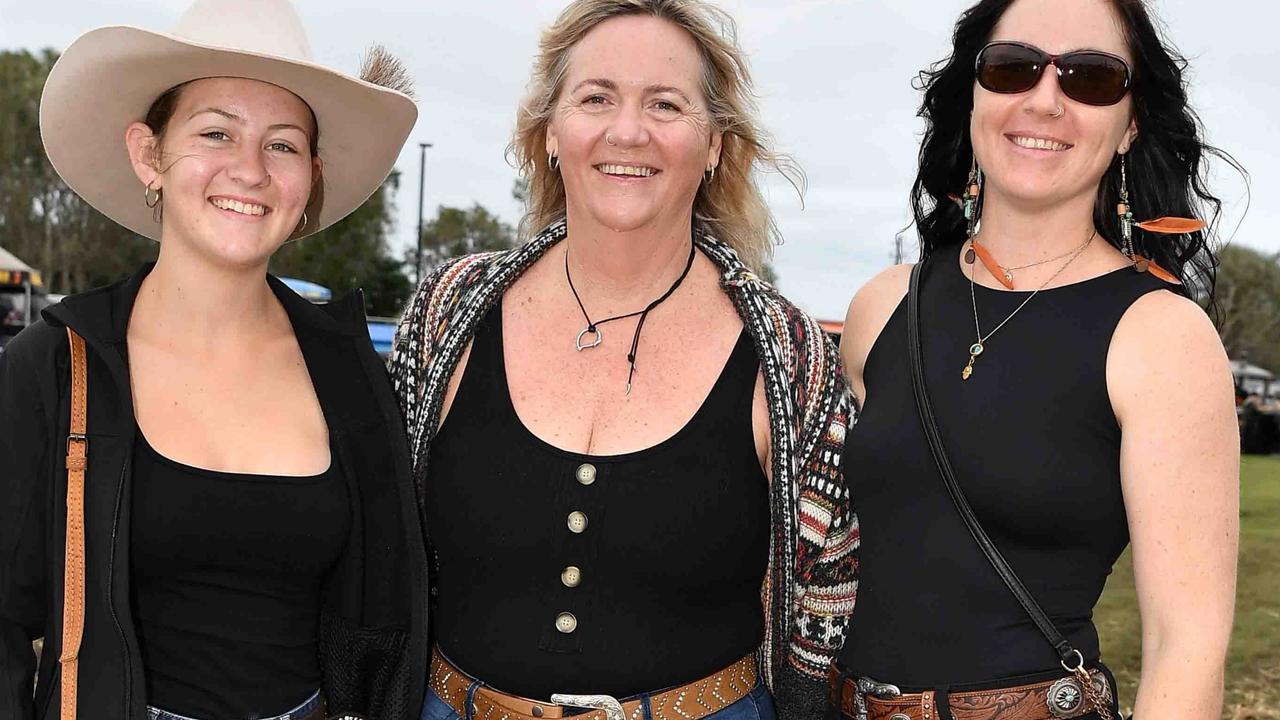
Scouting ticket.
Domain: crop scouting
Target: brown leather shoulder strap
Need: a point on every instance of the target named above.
(73, 580)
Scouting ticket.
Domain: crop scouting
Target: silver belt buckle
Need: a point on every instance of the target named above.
(609, 704)
(874, 688)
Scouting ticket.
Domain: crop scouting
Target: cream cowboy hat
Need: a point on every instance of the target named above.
(109, 77)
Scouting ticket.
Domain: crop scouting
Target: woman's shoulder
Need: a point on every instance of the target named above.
(37, 345)
(454, 278)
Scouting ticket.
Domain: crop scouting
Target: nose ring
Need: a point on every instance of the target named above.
(1061, 111)
(608, 138)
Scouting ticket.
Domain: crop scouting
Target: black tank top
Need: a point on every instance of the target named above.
(1036, 448)
(226, 573)
(656, 583)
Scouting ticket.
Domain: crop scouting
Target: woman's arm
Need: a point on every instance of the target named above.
(23, 491)
(868, 314)
(1172, 391)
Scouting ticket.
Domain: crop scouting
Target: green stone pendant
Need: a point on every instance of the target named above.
(975, 350)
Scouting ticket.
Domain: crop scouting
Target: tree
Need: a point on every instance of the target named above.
(353, 253)
(455, 232)
(1248, 296)
(41, 220)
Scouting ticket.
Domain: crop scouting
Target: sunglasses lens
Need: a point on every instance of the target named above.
(1094, 78)
(1009, 68)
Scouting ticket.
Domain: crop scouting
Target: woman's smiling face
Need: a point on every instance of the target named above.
(1041, 148)
(235, 168)
(631, 128)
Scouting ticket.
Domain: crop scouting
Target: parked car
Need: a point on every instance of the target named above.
(381, 330)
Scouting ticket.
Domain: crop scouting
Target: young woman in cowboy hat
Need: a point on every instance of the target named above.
(250, 544)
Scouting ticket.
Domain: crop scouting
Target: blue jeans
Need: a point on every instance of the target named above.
(311, 705)
(757, 705)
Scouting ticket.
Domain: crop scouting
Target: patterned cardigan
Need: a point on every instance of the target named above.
(810, 586)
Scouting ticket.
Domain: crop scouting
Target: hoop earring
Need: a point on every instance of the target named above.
(302, 226)
(712, 176)
(146, 196)
(553, 162)
(971, 202)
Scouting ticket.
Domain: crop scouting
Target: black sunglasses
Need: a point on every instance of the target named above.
(1088, 76)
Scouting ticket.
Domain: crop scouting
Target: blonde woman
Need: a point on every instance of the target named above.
(251, 545)
(626, 442)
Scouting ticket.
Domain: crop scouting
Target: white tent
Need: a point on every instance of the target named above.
(15, 272)
(9, 261)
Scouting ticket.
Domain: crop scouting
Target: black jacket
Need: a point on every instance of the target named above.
(372, 635)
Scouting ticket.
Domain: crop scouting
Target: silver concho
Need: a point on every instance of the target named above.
(899, 716)
(1065, 698)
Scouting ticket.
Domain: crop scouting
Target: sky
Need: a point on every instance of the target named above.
(834, 85)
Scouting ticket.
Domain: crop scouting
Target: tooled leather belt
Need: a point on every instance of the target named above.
(693, 701)
(1062, 699)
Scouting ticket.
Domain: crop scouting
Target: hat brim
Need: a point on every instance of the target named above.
(109, 78)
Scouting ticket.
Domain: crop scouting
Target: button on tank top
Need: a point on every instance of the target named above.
(1036, 448)
(561, 572)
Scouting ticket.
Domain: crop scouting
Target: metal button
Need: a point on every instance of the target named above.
(566, 623)
(571, 576)
(577, 521)
(537, 711)
(586, 473)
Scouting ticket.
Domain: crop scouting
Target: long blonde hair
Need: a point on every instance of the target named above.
(731, 206)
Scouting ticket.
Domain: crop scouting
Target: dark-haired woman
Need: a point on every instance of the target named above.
(248, 545)
(1082, 397)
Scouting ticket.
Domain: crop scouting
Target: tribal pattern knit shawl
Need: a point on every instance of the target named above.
(810, 586)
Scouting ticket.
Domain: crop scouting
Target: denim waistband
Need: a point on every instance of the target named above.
(306, 708)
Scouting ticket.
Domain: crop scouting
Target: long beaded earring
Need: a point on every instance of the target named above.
(972, 195)
(1161, 225)
(1125, 210)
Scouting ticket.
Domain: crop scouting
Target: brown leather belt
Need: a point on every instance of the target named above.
(687, 702)
(1062, 699)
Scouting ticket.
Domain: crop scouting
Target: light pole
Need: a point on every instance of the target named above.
(422, 179)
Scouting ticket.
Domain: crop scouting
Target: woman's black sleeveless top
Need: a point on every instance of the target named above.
(560, 572)
(1036, 448)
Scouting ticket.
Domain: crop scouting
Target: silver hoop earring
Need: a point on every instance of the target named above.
(553, 162)
(146, 196)
(608, 139)
(711, 173)
(303, 226)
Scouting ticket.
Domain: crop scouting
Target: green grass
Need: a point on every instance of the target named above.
(1253, 663)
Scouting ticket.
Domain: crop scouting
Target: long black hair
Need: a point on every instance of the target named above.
(1167, 172)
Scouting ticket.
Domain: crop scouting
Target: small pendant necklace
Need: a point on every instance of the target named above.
(977, 251)
(980, 346)
(593, 327)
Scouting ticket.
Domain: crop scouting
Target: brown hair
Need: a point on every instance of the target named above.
(731, 207)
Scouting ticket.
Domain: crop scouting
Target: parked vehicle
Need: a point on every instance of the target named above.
(21, 296)
(381, 330)
(1257, 408)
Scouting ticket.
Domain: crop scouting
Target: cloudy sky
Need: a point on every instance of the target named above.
(834, 78)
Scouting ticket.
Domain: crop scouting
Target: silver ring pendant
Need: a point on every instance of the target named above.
(599, 339)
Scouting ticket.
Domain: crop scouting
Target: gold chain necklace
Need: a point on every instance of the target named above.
(980, 346)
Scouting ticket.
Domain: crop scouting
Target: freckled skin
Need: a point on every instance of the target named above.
(234, 393)
(632, 96)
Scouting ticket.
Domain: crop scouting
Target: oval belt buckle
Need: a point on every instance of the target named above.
(609, 704)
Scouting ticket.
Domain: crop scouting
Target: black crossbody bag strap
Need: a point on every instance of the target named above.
(1070, 657)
